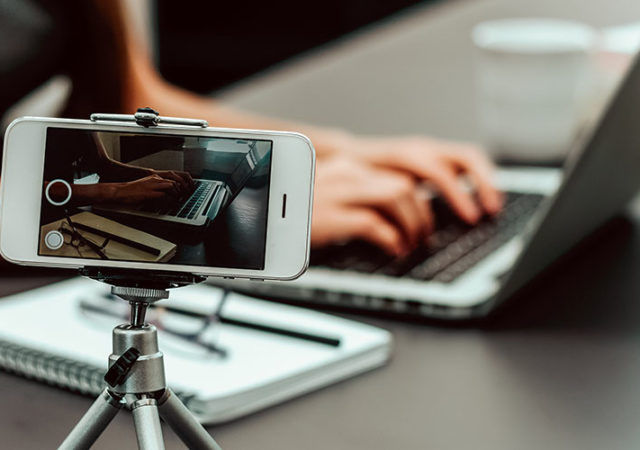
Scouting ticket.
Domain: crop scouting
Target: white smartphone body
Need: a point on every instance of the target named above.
(209, 201)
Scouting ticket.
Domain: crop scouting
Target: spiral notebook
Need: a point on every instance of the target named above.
(252, 355)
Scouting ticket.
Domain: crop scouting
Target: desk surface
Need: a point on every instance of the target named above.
(562, 375)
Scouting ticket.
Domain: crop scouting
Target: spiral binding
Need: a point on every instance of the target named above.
(65, 373)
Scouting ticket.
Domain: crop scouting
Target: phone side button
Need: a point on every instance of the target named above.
(256, 279)
(228, 278)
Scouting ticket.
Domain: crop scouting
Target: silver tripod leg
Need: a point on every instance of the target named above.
(136, 367)
(93, 423)
(182, 422)
(147, 424)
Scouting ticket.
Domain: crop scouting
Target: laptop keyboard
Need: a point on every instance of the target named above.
(189, 207)
(450, 251)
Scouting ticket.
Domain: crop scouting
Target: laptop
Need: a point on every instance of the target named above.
(467, 272)
(207, 200)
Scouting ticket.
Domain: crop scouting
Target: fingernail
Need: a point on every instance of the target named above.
(497, 204)
(473, 215)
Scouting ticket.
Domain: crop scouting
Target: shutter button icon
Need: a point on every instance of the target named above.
(54, 240)
(48, 196)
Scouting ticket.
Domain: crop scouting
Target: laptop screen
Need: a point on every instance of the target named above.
(600, 178)
(256, 160)
(155, 198)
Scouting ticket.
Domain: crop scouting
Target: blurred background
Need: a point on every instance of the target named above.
(204, 45)
(388, 68)
(522, 78)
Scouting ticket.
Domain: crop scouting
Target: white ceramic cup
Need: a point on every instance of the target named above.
(533, 77)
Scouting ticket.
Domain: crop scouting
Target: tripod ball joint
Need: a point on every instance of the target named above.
(120, 369)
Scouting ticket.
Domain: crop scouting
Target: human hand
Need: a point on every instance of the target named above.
(183, 179)
(150, 188)
(441, 164)
(357, 201)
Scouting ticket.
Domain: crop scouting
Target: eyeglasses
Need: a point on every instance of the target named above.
(81, 243)
(196, 328)
(198, 331)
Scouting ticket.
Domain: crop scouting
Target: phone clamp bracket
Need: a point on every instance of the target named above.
(141, 278)
(148, 117)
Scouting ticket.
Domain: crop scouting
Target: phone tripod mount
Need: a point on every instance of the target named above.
(148, 117)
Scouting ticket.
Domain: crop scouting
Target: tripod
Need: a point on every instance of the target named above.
(136, 376)
(136, 379)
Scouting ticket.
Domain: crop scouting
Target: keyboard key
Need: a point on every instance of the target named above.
(452, 249)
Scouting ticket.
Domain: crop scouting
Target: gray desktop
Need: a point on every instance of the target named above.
(562, 373)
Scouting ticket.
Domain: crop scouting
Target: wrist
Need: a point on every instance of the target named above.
(334, 142)
(111, 192)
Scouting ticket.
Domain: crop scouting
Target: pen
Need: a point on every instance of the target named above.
(327, 340)
(312, 337)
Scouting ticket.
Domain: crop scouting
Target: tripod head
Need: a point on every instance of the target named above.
(140, 287)
(136, 375)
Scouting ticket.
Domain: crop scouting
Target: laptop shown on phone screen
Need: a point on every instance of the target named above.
(208, 198)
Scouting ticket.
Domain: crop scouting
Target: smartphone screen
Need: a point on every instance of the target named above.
(174, 199)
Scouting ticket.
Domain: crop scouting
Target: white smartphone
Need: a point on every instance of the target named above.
(208, 201)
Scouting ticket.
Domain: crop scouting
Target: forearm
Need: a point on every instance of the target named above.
(327, 141)
(111, 171)
(148, 89)
(84, 194)
(143, 86)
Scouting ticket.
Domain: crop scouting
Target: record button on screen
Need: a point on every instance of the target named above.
(54, 240)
